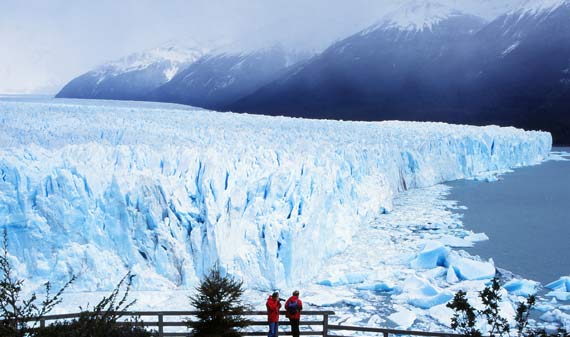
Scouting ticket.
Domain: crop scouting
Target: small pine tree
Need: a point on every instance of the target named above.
(219, 305)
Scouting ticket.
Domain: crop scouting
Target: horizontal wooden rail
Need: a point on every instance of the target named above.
(159, 320)
(387, 332)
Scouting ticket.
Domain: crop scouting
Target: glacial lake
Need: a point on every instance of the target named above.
(526, 215)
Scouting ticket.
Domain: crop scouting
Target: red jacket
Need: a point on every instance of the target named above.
(273, 306)
(300, 305)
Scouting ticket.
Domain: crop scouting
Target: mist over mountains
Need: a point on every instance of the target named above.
(425, 61)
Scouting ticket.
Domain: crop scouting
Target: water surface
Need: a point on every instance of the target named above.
(526, 216)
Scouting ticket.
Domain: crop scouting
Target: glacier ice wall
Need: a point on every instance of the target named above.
(97, 188)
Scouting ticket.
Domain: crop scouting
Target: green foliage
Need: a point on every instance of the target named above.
(523, 312)
(465, 316)
(75, 328)
(15, 311)
(101, 320)
(219, 305)
(19, 317)
(491, 298)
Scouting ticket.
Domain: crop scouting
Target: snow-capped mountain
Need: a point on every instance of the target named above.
(539, 7)
(524, 62)
(425, 61)
(134, 76)
(430, 62)
(416, 15)
(380, 72)
(223, 77)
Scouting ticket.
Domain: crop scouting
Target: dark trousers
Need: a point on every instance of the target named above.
(273, 329)
(295, 327)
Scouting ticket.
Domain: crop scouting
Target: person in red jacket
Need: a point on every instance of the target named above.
(294, 306)
(273, 305)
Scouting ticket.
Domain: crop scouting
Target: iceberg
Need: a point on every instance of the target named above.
(377, 286)
(96, 188)
(469, 269)
(420, 293)
(343, 279)
(522, 287)
(562, 284)
(403, 318)
(433, 255)
(560, 289)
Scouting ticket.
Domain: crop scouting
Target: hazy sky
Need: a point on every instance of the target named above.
(45, 43)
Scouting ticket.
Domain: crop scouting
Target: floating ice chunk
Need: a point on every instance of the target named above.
(544, 307)
(433, 255)
(451, 276)
(354, 278)
(434, 273)
(343, 279)
(431, 301)
(404, 318)
(377, 286)
(422, 294)
(521, 287)
(468, 269)
(487, 178)
(561, 288)
(490, 176)
(418, 286)
(477, 237)
(562, 284)
(559, 156)
(455, 242)
(560, 295)
(375, 321)
(441, 313)
(555, 315)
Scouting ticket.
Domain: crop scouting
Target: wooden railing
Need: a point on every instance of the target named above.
(386, 332)
(165, 321)
(313, 323)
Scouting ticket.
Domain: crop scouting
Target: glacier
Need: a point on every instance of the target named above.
(96, 188)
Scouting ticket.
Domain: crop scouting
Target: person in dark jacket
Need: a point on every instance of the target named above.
(293, 306)
(273, 305)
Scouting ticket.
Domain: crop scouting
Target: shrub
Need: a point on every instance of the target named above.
(219, 305)
(17, 315)
(465, 317)
(101, 320)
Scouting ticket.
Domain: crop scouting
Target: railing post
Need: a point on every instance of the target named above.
(385, 334)
(160, 325)
(42, 323)
(325, 325)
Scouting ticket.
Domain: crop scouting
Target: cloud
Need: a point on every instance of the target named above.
(45, 43)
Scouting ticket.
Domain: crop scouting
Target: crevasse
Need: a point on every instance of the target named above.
(98, 188)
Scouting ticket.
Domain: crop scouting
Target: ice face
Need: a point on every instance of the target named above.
(99, 188)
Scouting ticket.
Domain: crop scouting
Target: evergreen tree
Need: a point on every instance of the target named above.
(219, 305)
